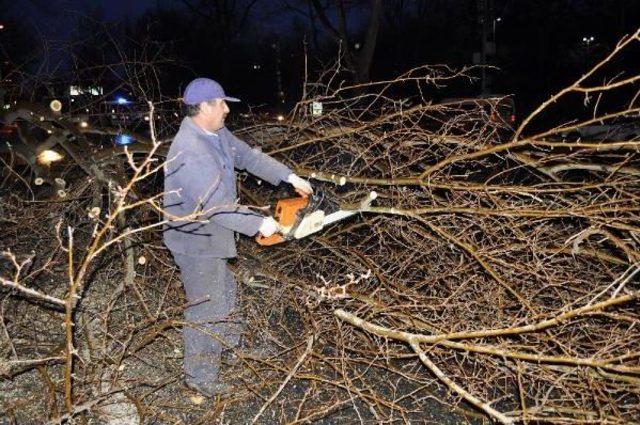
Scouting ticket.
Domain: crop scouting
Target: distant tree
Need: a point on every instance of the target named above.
(342, 23)
(226, 18)
(358, 57)
(207, 37)
(17, 42)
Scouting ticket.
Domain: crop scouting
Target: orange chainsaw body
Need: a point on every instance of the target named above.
(287, 214)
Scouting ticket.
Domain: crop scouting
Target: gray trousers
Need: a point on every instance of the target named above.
(211, 295)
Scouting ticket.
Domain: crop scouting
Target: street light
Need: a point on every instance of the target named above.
(588, 40)
(495, 21)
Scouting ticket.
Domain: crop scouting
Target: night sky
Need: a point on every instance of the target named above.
(54, 18)
(539, 45)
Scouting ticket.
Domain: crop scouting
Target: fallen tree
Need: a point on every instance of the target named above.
(496, 273)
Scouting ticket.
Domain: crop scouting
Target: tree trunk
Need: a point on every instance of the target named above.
(365, 56)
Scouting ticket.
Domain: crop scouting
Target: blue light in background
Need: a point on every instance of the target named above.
(122, 101)
(124, 139)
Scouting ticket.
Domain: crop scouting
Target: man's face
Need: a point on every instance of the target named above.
(214, 111)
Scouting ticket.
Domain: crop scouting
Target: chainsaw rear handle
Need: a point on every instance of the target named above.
(274, 239)
(287, 215)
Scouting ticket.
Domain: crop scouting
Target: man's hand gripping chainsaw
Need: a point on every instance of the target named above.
(301, 217)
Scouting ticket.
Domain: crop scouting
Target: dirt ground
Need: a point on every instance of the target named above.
(130, 350)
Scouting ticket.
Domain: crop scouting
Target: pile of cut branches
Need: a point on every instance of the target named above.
(506, 265)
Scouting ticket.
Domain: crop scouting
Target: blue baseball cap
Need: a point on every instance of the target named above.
(204, 90)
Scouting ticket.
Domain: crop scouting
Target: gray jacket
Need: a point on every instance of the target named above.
(200, 168)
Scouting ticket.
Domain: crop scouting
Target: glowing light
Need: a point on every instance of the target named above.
(1, 26)
(84, 124)
(122, 101)
(124, 139)
(55, 105)
(280, 118)
(46, 157)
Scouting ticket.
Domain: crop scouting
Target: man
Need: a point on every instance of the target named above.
(200, 182)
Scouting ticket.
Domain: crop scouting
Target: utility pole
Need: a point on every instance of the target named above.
(487, 47)
(2, 89)
(280, 94)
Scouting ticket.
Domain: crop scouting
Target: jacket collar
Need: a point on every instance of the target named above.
(188, 123)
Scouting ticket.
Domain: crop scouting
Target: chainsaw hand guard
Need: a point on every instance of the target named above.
(288, 213)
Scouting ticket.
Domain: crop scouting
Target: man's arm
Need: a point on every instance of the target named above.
(265, 167)
(256, 162)
(202, 182)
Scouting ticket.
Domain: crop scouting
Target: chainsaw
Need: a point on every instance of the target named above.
(300, 217)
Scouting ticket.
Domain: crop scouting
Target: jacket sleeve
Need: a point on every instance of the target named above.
(202, 182)
(256, 162)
